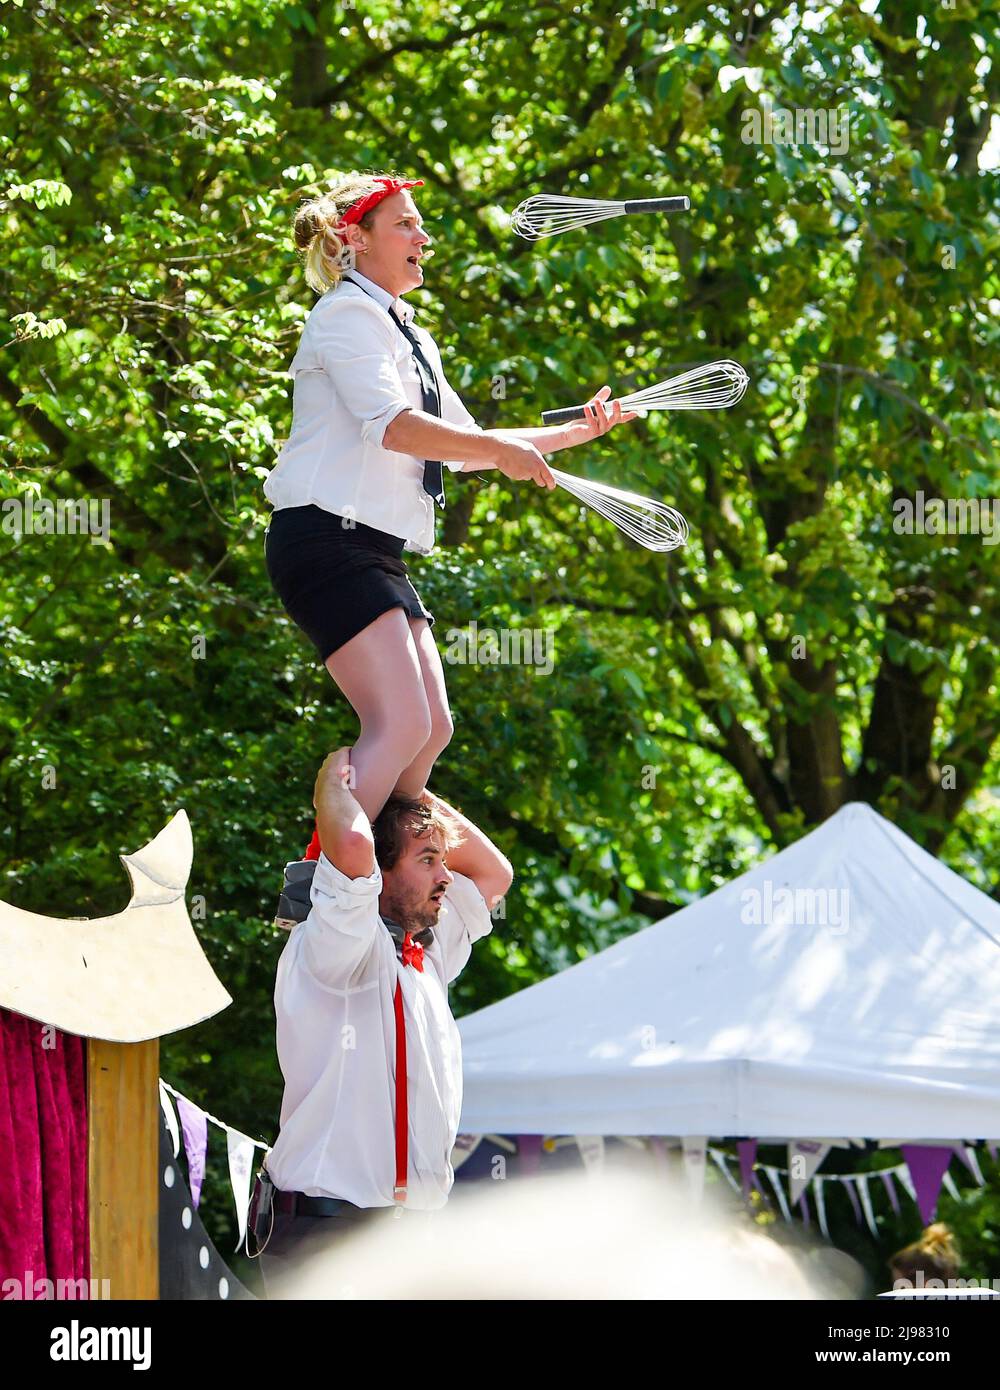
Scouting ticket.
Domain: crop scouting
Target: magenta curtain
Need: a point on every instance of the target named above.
(44, 1231)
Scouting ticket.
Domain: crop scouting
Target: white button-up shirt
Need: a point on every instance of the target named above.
(336, 1035)
(354, 373)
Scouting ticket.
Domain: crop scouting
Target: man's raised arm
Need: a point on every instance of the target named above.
(345, 832)
(476, 857)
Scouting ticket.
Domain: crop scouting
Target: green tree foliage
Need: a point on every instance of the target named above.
(702, 706)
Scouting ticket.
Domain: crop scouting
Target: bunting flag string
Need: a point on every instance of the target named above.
(220, 1124)
(856, 1185)
(804, 1157)
(194, 1126)
(897, 1170)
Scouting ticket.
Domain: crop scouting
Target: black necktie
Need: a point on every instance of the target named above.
(433, 472)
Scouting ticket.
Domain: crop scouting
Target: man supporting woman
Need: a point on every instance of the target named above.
(403, 883)
(367, 1043)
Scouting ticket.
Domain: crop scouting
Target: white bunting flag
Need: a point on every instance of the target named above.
(241, 1152)
(866, 1203)
(819, 1196)
(591, 1148)
(167, 1106)
(502, 1142)
(974, 1168)
(774, 1178)
(695, 1151)
(948, 1183)
(903, 1174)
(719, 1159)
(465, 1146)
(804, 1157)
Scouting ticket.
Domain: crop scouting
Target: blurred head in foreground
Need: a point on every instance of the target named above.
(615, 1235)
(934, 1256)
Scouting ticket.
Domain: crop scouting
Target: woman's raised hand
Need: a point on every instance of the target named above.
(599, 417)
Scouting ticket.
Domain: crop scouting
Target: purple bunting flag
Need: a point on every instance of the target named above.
(529, 1153)
(747, 1150)
(194, 1127)
(927, 1164)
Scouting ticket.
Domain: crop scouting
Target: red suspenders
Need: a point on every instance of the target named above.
(412, 954)
(399, 1192)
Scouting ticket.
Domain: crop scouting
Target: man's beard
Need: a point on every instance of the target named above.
(411, 913)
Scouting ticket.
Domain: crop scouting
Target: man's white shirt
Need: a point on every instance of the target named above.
(336, 1037)
(354, 373)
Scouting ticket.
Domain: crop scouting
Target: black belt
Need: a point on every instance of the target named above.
(298, 1204)
(267, 1202)
(266, 1196)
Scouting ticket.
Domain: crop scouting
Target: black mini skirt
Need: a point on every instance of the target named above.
(333, 578)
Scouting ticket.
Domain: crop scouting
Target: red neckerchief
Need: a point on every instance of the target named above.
(413, 953)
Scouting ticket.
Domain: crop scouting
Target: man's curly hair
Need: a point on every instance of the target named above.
(401, 816)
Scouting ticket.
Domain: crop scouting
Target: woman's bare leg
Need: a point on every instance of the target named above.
(381, 674)
(415, 778)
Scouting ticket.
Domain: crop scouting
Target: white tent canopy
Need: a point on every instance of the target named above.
(867, 1005)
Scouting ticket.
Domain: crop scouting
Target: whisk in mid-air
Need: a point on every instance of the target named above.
(712, 386)
(653, 524)
(547, 215)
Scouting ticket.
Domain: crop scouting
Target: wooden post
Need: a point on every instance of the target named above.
(123, 1176)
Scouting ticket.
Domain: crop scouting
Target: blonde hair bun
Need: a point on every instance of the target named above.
(327, 254)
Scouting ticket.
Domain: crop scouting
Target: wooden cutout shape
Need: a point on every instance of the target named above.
(138, 975)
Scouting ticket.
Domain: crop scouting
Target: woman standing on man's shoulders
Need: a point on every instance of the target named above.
(357, 481)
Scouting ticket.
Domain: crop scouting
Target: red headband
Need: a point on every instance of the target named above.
(357, 210)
